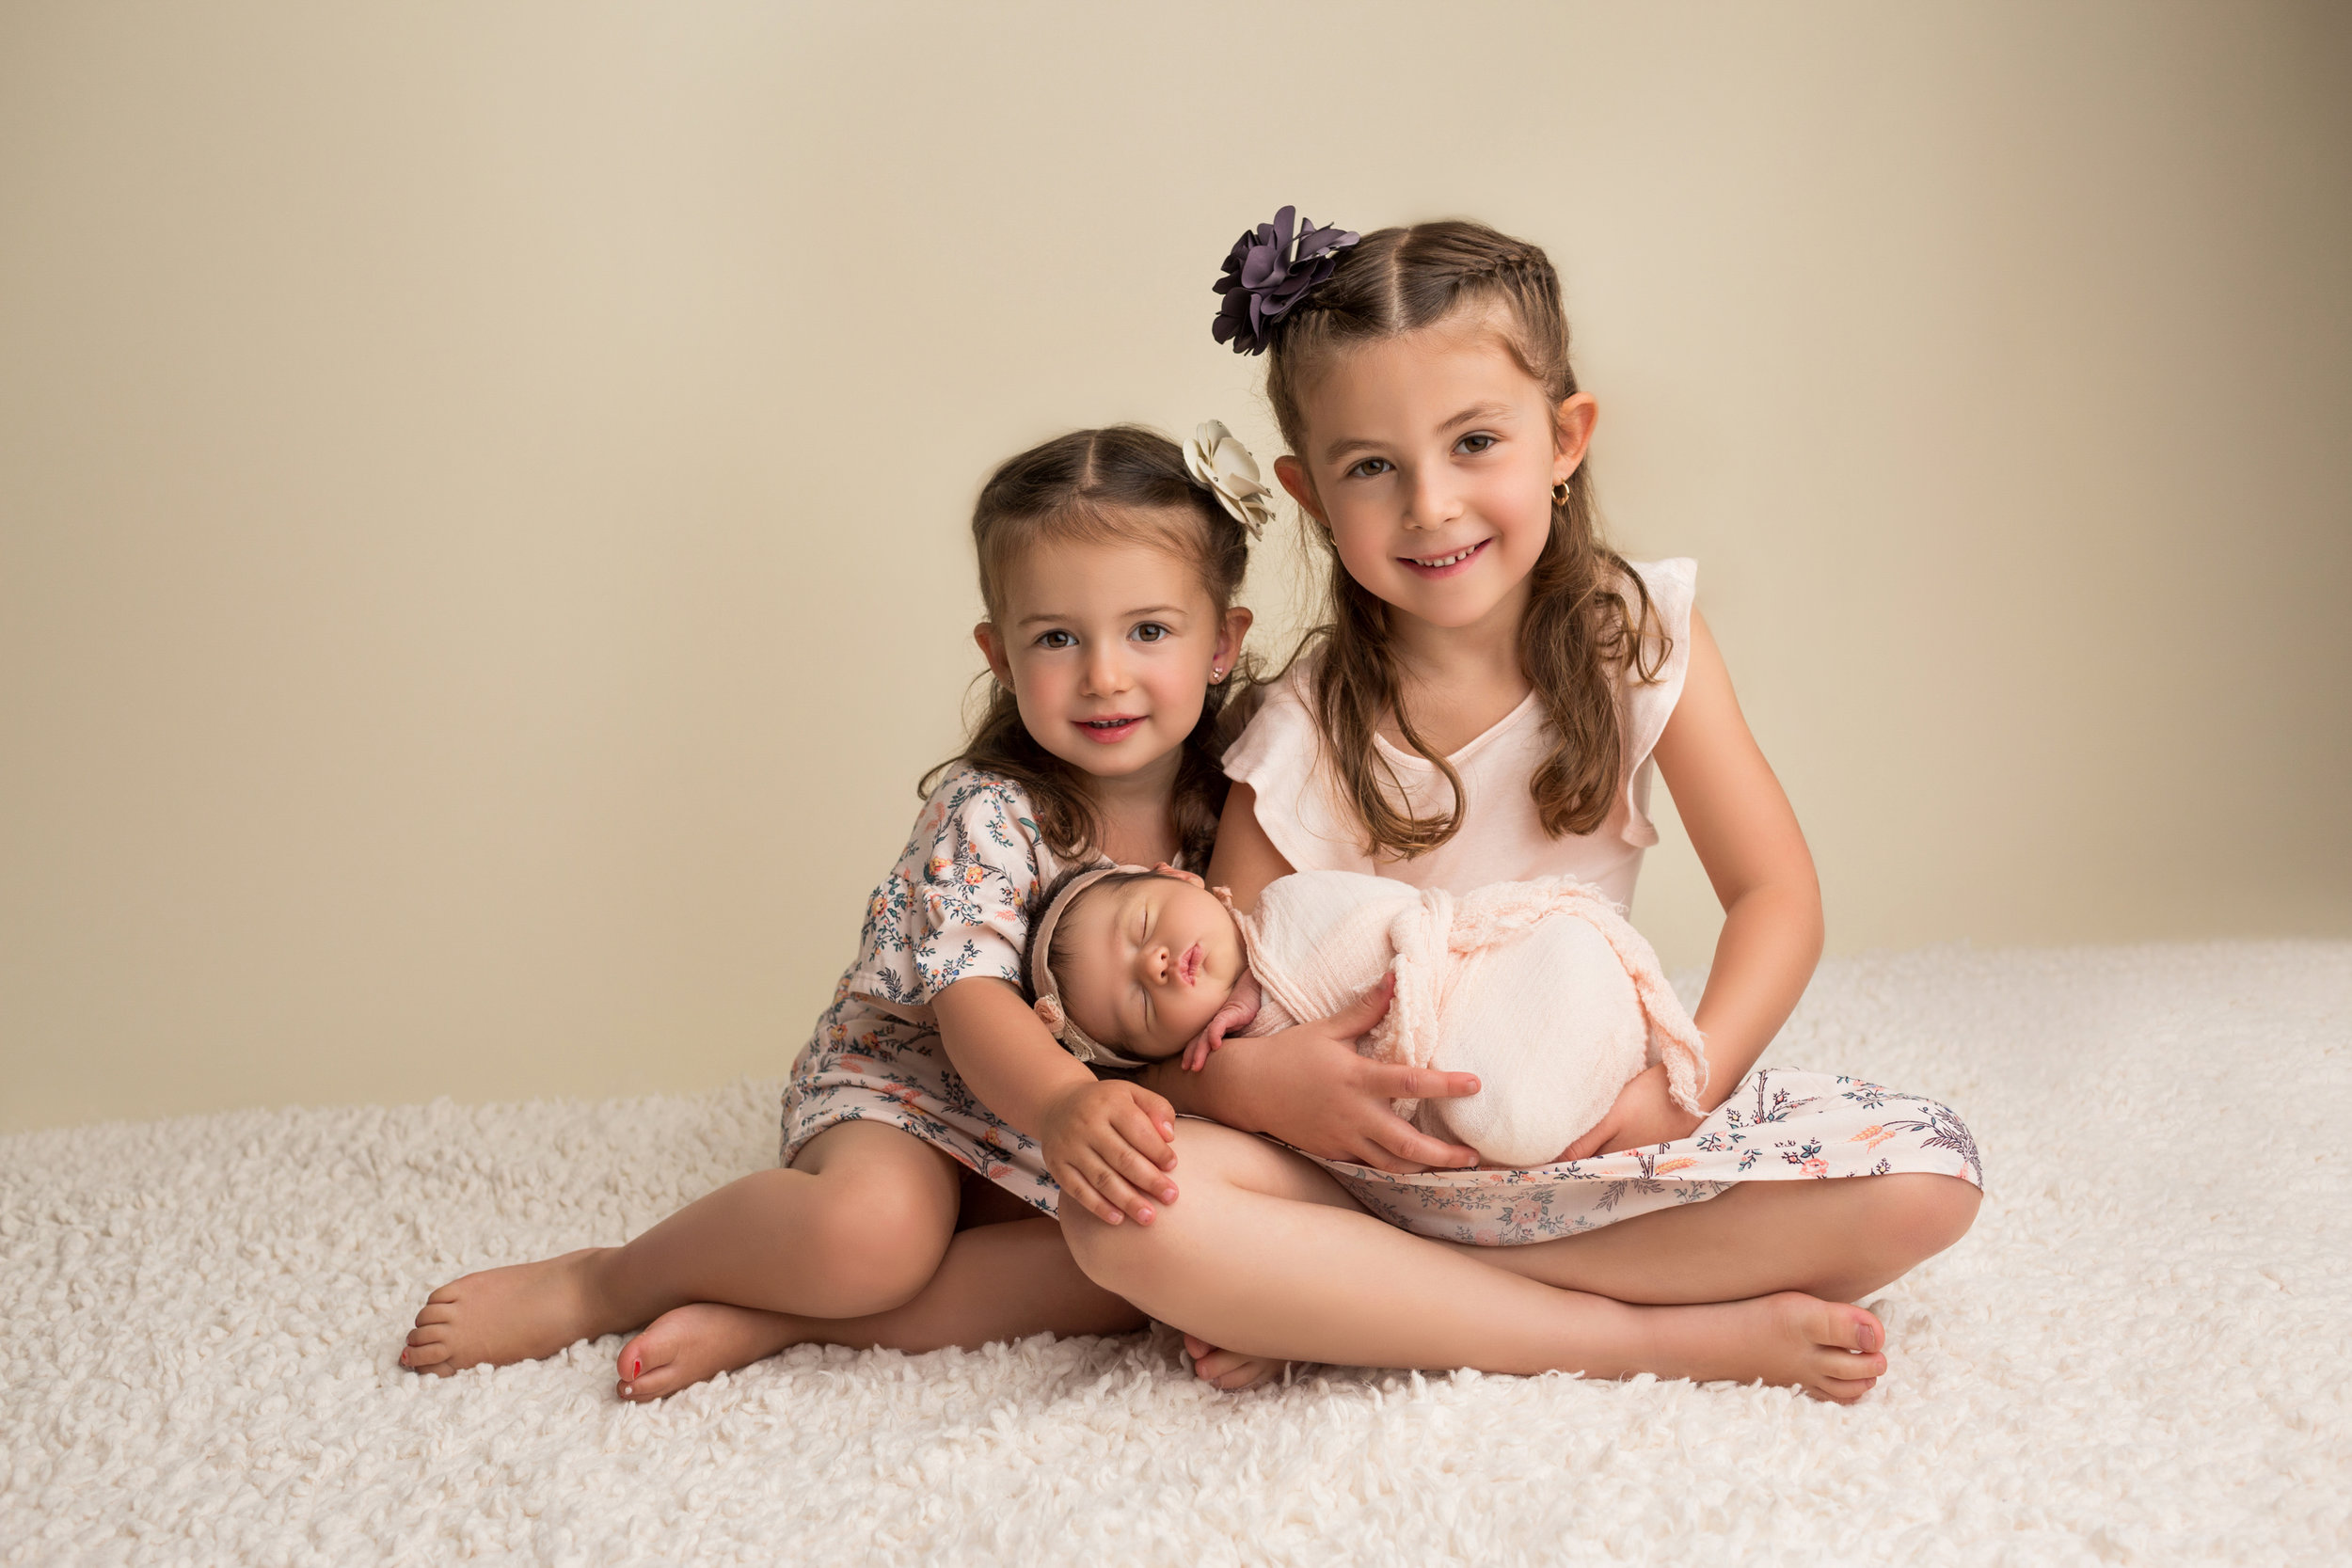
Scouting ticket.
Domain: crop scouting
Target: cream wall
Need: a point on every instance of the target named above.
(481, 485)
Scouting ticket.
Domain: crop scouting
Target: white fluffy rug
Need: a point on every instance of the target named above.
(2139, 1356)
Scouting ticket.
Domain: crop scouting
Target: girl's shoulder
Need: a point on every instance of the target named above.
(975, 804)
(1671, 586)
(957, 903)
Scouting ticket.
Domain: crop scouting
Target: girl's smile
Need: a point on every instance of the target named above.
(1104, 732)
(1445, 566)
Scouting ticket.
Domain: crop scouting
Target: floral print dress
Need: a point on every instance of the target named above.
(1781, 1124)
(957, 904)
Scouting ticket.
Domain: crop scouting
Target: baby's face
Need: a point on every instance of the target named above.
(1149, 964)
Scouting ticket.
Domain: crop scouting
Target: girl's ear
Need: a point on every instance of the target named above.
(1571, 434)
(1292, 473)
(1230, 636)
(994, 651)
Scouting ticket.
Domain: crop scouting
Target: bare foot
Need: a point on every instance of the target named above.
(519, 1313)
(688, 1344)
(1229, 1369)
(1791, 1340)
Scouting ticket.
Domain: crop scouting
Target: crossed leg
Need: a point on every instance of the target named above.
(855, 1230)
(1265, 1255)
(1007, 1276)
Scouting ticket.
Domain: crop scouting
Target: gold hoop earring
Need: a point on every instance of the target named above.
(1560, 494)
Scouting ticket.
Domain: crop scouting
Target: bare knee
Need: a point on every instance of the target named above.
(1154, 1264)
(872, 1246)
(1934, 1211)
(1122, 1259)
(1912, 1216)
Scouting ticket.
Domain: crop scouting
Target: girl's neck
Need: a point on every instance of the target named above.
(1459, 682)
(1138, 829)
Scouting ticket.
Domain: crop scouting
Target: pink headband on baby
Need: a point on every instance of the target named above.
(1050, 1011)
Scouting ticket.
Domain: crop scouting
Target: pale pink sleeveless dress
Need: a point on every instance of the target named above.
(1781, 1124)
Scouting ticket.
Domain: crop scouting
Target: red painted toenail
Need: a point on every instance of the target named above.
(636, 1367)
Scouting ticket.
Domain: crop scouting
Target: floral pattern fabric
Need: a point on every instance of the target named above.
(1780, 1125)
(957, 904)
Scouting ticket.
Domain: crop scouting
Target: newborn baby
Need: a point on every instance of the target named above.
(1539, 988)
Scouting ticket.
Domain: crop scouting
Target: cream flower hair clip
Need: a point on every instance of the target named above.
(1224, 466)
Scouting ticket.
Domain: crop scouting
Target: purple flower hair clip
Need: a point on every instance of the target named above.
(1267, 272)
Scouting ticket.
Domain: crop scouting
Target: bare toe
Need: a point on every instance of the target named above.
(519, 1313)
(1229, 1369)
(688, 1344)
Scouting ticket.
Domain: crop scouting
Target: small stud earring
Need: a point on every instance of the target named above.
(1215, 676)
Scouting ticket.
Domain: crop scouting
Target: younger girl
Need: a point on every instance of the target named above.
(931, 1121)
(1483, 705)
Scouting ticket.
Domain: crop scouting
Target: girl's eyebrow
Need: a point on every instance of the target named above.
(1124, 614)
(1477, 413)
(1471, 415)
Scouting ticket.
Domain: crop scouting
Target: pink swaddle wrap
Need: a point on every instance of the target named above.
(1540, 987)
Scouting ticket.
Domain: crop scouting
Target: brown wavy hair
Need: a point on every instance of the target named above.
(1589, 615)
(1124, 484)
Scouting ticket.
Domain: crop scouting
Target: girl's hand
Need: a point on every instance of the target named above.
(1307, 1087)
(1109, 1143)
(1643, 1115)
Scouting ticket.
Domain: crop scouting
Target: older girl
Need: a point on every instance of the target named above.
(1486, 703)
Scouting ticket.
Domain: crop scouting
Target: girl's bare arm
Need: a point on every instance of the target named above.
(1109, 1144)
(1746, 835)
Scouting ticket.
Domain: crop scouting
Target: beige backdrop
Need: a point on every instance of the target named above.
(483, 484)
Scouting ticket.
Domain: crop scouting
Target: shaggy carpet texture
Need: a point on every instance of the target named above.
(2139, 1354)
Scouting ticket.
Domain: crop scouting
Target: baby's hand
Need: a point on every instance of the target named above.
(1239, 1011)
(1108, 1144)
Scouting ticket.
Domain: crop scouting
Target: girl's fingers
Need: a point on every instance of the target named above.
(1140, 1172)
(1420, 1150)
(1162, 1116)
(1075, 1186)
(1590, 1143)
(1145, 1143)
(1359, 1016)
(1394, 1081)
(1114, 1187)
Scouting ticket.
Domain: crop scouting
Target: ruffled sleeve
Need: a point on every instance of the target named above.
(957, 904)
(1643, 707)
(1280, 756)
